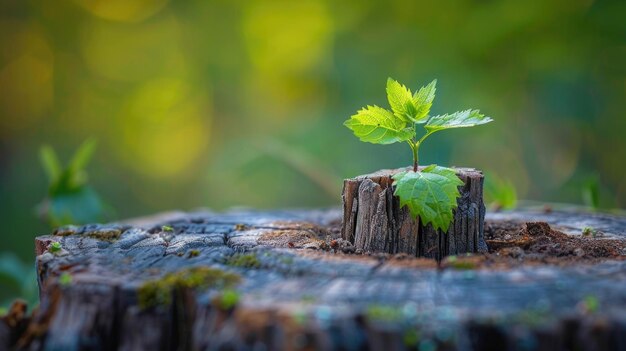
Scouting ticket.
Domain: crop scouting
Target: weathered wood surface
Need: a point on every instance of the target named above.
(294, 298)
(374, 222)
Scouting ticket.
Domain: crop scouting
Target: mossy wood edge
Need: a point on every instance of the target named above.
(374, 222)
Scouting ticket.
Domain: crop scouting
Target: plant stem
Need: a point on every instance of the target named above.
(415, 145)
(415, 159)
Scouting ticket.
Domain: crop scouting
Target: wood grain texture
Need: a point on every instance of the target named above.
(374, 222)
(297, 298)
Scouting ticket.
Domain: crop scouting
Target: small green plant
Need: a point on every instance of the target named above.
(167, 228)
(591, 232)
(65, 279)
(55, 247)
(430, 193)
(588, 231)
(70, 199)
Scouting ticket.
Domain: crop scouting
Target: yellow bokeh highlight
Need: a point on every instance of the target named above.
(165, 128)
(122, 10)
(26, 79)
(134, 52)
(288, 43)
(287, 36)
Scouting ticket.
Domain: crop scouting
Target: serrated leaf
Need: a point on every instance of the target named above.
(423, 100)
(401, 100)
(430, 194)
(376, 125)
(460, 119)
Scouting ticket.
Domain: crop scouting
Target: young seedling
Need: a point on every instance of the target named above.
(430, 193)
(65, 279)
(55, 248)
(591, 232)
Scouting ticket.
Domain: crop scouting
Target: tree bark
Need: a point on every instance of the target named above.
(374, 222)
(292, 297)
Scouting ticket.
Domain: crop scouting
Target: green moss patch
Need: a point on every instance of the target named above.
(380, 313)
(159, 292)
(105, 234)
(244, 261)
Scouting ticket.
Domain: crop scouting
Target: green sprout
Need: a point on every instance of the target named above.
(429, 193)
(588, 231)
(55, 247)
(65, 279)
(167, 228)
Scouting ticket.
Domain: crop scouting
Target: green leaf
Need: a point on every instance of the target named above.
(376, 125)
(50, 163)
(423, 100)
(401, 100)
(460, 119)
(430, 194)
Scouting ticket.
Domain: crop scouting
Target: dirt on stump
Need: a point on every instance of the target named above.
(510, 244)
(538, 240)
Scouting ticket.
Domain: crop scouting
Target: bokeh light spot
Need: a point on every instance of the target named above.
(26, 80)
(289, 36)
(123, 10)
(134, 52)
(165, 128)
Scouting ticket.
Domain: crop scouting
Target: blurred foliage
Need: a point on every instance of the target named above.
(499, 193)
(70, 200)
(17, 279)
(591, 193)
(217, 103)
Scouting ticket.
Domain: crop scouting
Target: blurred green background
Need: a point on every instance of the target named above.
(225, 103)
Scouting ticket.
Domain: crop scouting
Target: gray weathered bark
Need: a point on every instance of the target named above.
(295, 298)
(374, 222)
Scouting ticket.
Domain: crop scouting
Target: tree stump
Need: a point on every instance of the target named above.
(374, 222)
(280, 280)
